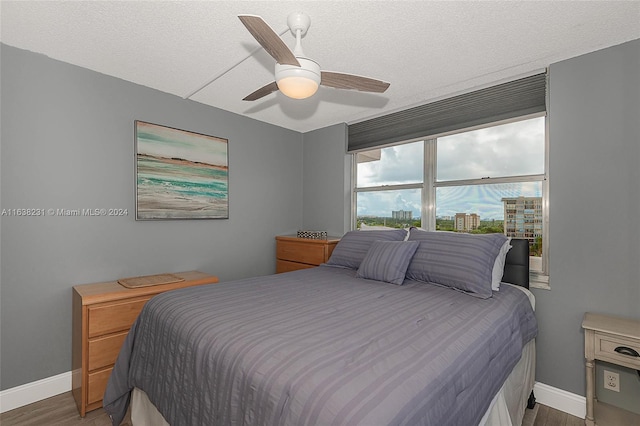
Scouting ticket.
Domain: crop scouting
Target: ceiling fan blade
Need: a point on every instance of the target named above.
(262, 92)
(269, 39)
(340, 80)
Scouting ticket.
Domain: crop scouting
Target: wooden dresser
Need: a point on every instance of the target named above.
(102, 316)
(293, 253)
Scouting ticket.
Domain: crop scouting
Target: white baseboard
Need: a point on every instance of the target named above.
(35, 391)
(51, 386)
(559, 399)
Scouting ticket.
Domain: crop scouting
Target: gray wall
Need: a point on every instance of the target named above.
(67, 142)
(594, 208)
(327, 181)
(70, 144)
(594, 117)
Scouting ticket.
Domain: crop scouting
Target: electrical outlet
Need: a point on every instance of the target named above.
(611, 381)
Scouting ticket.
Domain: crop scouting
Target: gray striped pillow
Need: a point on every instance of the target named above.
(387, 261)
(353, 246)
(461, 261)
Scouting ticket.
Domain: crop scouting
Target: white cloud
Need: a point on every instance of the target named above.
(507, 150)
(398, 164)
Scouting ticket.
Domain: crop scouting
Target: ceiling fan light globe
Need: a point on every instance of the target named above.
(297, 87)
(298, 82)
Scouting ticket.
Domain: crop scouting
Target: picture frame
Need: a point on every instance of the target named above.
(180, 174)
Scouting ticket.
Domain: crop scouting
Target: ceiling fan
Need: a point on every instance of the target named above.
(298, 76)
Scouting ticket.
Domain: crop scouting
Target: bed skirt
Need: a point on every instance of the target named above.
(509, 404)
(507, 407)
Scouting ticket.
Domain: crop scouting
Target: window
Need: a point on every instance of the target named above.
(487, 180)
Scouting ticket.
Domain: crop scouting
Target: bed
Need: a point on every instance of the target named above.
(397, 328)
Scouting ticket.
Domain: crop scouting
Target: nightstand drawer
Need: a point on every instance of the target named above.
(286, 266)
(606, 345)
(312, 254)
(103, 351)
(114, 317)
(97, 384)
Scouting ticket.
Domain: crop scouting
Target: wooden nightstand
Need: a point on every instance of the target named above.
(102, 316)
(294, 253)
(604, 339)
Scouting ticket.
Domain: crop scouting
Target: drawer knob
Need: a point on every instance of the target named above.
(629, 352)
(626, 351)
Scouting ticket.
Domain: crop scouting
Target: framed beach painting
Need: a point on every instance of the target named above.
(180, 174)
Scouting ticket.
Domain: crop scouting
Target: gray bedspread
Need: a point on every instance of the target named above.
(321, 347)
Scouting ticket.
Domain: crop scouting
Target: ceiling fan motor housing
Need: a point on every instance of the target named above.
(298, 21)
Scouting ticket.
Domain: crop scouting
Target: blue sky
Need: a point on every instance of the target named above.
(508, 150)
(161, 141)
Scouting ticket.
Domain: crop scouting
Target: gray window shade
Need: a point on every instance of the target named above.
(501, 102)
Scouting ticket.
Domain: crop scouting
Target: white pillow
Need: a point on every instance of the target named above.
(498, 266)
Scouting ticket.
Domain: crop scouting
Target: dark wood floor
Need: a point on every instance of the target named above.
(547, 416)
(55, 411)
(61, 410)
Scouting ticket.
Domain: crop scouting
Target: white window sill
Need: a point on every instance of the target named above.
(538, 280)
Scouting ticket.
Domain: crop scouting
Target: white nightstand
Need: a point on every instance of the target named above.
(617, 341)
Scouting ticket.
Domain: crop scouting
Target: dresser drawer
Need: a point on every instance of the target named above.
(287, 266)
(114, 317)
(312, 254)
(97, 384)
(102, 316)
(103, 351)
(606, 345)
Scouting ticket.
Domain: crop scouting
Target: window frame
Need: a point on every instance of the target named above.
(538, 279)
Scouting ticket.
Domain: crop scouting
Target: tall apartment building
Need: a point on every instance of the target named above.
(523, 217)
(466, 222)
(402, 214)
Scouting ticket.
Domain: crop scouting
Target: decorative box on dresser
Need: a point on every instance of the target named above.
(102, 316)
(293, 253)
(617, 341)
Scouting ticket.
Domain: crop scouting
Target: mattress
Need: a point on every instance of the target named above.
(321, 346)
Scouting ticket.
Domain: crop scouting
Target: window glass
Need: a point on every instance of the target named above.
(487, 201)
(397, 208)
(513, 149)
(490, 180)
(512, 209)
(394, 165)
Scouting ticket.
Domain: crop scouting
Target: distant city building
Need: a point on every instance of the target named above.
(402, 214)
(466, 222)
(523, 217)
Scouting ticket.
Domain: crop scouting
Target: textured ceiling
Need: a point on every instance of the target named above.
(425, 49)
